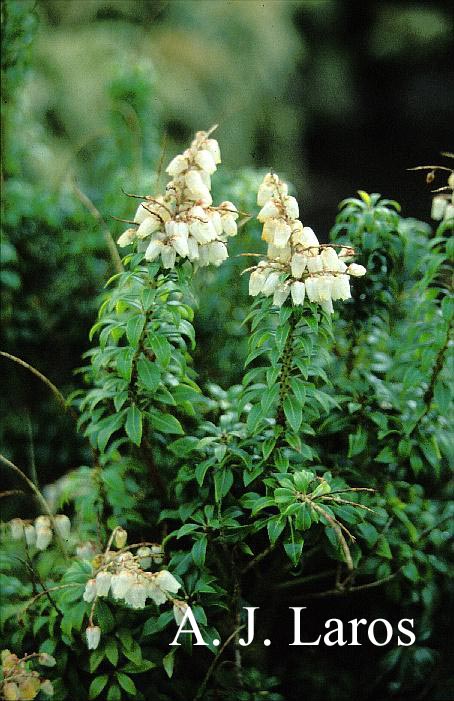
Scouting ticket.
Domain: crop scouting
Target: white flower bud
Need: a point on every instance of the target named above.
(325, 285)
(281, 234)
(136, 596)
(312, 289)
(167, 581)
(30, 535)
(282, 255)
(168, 256)
(327, 306)
(205, 161)
(17, 528)
(269, 229)
(341, 287)
(341, 266)
(43, 537)
(42, 522)
(297, 232)
(298, 291)
(196, 186)
(180, 244)
(438, 208)
(90, 591)
(86, 551)
(148, 227)
(120, 538)
(298, 265)
(204, 258)
(103, 580)
(268, 211)
(309, 240)
(154, 250)
(329, 258)
(93, 634)
(141, 213)
(63, 526)
(217, 253)
(144, 555)
(179, 610)
(280, 295)
(177, 165)
(228, 209)
(271, 282)
(193, 248)
(315, 264)
(256, 282)
(291, 207)
(216, 221)
(47, 687)
(356, 270)
(212, 146)
(229, 225)
(451, 181)
(46, 660)
(126, 238)
(120, 583)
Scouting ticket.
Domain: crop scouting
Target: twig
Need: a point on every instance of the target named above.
(214, 664)
(258, 558)
(55, 391)
(88, 204)
(341, 591)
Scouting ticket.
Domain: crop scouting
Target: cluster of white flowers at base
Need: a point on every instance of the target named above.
(297, 265)
(183, 223)
(39, 533)
(443, 205)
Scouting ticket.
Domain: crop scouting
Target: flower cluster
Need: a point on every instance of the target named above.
(122, 575)
(184, 222)
(19, 682)
(297, 264)
(40, 533)
(443, 204)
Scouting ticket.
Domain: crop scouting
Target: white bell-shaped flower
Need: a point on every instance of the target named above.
(298, 266)
(356, 270)
(298, 291)
(280, 295)
(205, 161)
(281, 234)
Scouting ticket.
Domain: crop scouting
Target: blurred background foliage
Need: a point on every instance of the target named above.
(333, 95)
(97, 93)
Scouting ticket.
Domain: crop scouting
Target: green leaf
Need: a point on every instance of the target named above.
(124, 363)
(269, 397)
(168, 663)
(303, 518)
(114, 693)
(161, 348)
(97, 685)
(165, 423)
(299, 389)
(134, 329)
(149, 374)
(383, 548)
(294, 550)
(293, 412)
(126, 683)
(111, 651)
(223, 480)
(199, 551)
(133, 424)
(275, 527)
(253, 419)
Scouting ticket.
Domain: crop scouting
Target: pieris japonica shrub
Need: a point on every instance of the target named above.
(322, 475)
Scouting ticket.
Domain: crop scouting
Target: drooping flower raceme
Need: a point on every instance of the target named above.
(297, 265)
(183, 223)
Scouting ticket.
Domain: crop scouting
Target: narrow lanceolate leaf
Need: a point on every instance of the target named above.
(134, 329)
(166, 423)
(161, 348)
(293, 412)
(149, 374)
(133, 424)
(199, 551)
(223, 480)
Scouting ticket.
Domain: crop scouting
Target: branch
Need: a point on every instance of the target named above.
(88, 204)
(55, 391)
